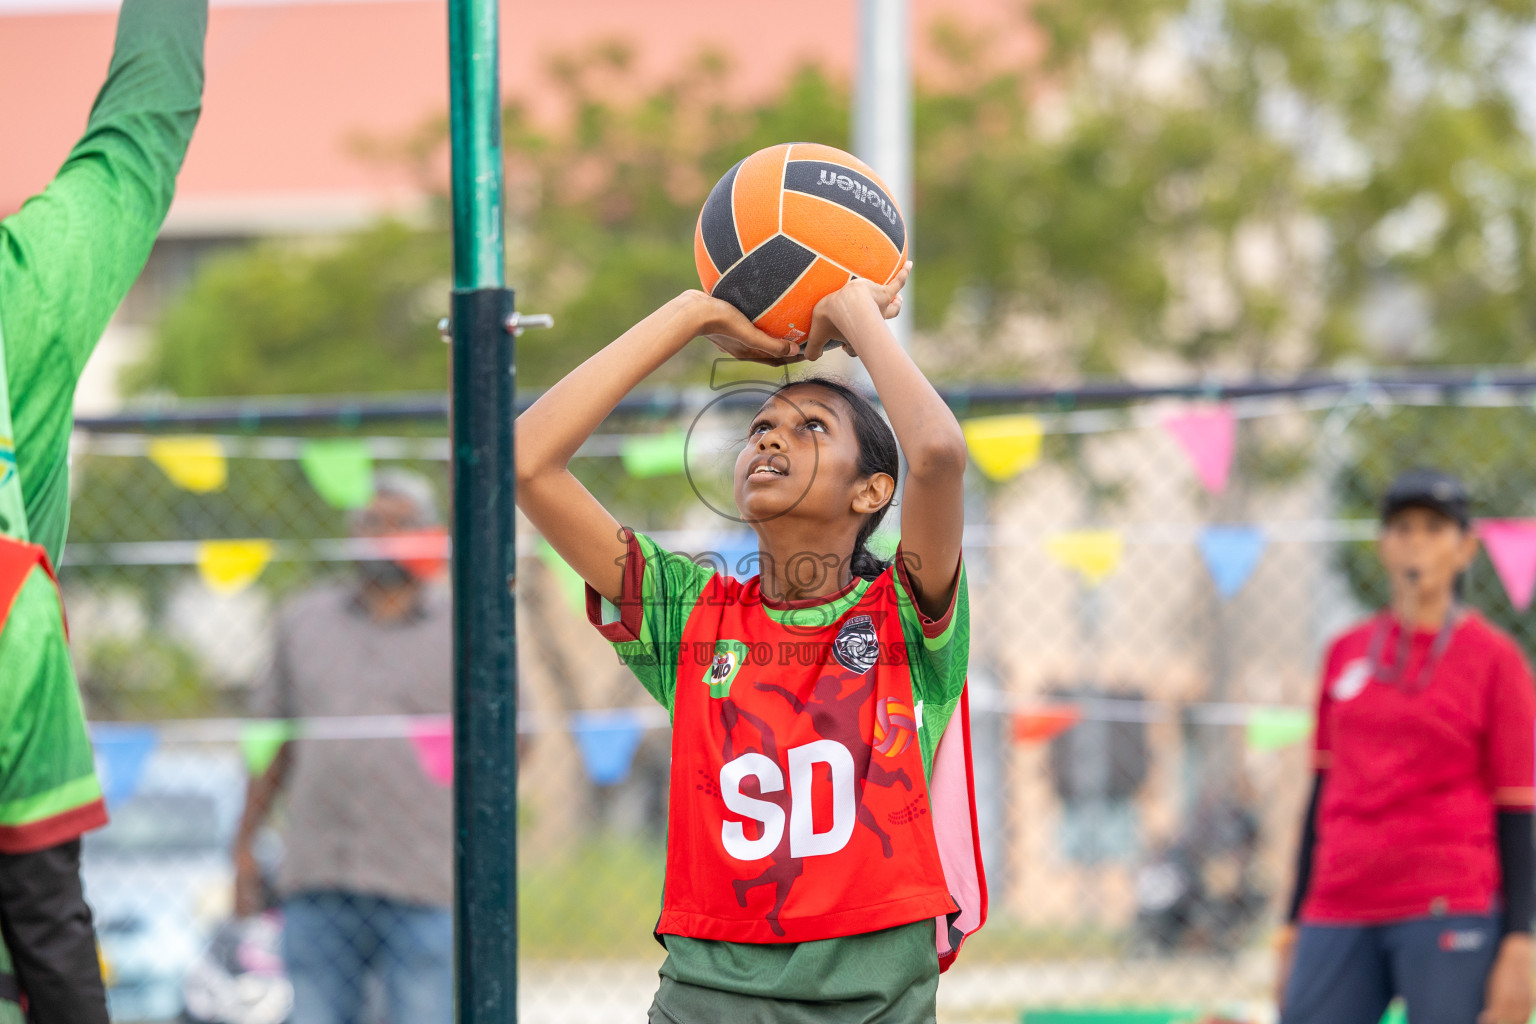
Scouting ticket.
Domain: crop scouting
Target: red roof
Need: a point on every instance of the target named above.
(292, 87)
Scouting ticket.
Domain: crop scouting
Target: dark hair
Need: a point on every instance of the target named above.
(877, 454)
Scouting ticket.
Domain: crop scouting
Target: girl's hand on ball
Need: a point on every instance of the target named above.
(831, 312)
(732, 333)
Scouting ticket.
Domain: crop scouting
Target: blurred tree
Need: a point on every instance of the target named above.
(359, 315)
(1235, 185)
(1238, 184)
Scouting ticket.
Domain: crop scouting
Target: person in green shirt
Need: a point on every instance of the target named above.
(67, 258)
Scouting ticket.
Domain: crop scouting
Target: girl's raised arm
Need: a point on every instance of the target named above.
(548, 434)
(933, 494)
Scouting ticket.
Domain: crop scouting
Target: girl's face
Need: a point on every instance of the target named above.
(1423, 551)
(801, 459)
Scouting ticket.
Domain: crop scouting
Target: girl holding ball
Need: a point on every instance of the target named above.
(821, 854)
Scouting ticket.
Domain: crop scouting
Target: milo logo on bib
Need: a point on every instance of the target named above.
(729, 657)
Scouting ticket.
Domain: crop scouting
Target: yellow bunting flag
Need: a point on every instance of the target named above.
(1093, 553)
(229, 566)
(193, 463)
(1003, 446)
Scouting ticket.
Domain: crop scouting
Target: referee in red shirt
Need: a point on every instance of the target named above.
(1416, 875)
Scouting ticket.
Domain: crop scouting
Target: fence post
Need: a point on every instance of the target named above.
(484, 541)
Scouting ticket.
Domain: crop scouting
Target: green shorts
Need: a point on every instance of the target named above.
(884, 977)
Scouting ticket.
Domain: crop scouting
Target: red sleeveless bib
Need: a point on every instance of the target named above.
(799, 809)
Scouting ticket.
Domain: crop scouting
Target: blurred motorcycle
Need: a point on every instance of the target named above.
(1197, 893)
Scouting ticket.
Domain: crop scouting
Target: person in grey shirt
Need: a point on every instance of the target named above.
(366, 880)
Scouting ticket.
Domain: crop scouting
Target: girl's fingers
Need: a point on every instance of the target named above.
(736, 349)
(816, 341)
(891, 290)
(754, 343)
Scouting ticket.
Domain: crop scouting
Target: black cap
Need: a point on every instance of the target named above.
(1431, 489)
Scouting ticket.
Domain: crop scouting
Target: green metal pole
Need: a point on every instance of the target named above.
(484, 543)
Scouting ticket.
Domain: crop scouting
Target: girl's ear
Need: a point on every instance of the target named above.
(873, 493)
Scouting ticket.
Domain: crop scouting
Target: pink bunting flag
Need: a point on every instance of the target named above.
(433, 742)
(1208, 437)
(1511, 545)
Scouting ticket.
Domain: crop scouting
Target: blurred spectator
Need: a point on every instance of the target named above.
(366, 881)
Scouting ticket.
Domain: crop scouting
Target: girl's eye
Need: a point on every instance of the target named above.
(757, 428)
(815, 425)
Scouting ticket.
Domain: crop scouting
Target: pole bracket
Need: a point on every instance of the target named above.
(516, 324)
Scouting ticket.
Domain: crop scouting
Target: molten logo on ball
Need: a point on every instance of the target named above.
(862, 192)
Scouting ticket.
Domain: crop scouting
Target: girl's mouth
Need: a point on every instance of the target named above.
(770, 468)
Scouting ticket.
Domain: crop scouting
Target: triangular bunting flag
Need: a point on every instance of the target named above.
(1003, 446)
(432, 739)
(607, 741)
(340, 470)
(121, 752)
(1208, 437)
(1511, 545)
(229, 566)
(1045, 724)
(651, 455)
(195, 464)
(1231, 554)
(1093, 553)
(261, 739)
(1277, 728)
(423, 552)
(572, 587)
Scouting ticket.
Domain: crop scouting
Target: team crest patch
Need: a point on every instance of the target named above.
(856, 647)
(730, 655)
(7, 460)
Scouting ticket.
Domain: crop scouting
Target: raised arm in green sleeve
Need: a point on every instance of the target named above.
(69, 255)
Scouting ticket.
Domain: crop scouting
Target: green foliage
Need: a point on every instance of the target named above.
(1236, 185)
(144, 677)
(567, 905)
(1241, 184)
(278, 319)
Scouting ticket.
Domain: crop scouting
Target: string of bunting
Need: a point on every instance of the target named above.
(340, 469)
(607, 739)
(1231, 552)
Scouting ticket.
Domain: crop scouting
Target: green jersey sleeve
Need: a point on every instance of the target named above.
(938, 653)
(69, 255)
(660, 591)
(48, 788)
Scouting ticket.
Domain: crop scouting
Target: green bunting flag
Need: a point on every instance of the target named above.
(572, 587)
(261, 739)
(340, 470)
(1277, 728)
(651, 455)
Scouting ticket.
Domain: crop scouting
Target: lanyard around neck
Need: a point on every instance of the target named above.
(1399, 668)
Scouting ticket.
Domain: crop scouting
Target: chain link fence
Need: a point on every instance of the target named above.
(1152, 581)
